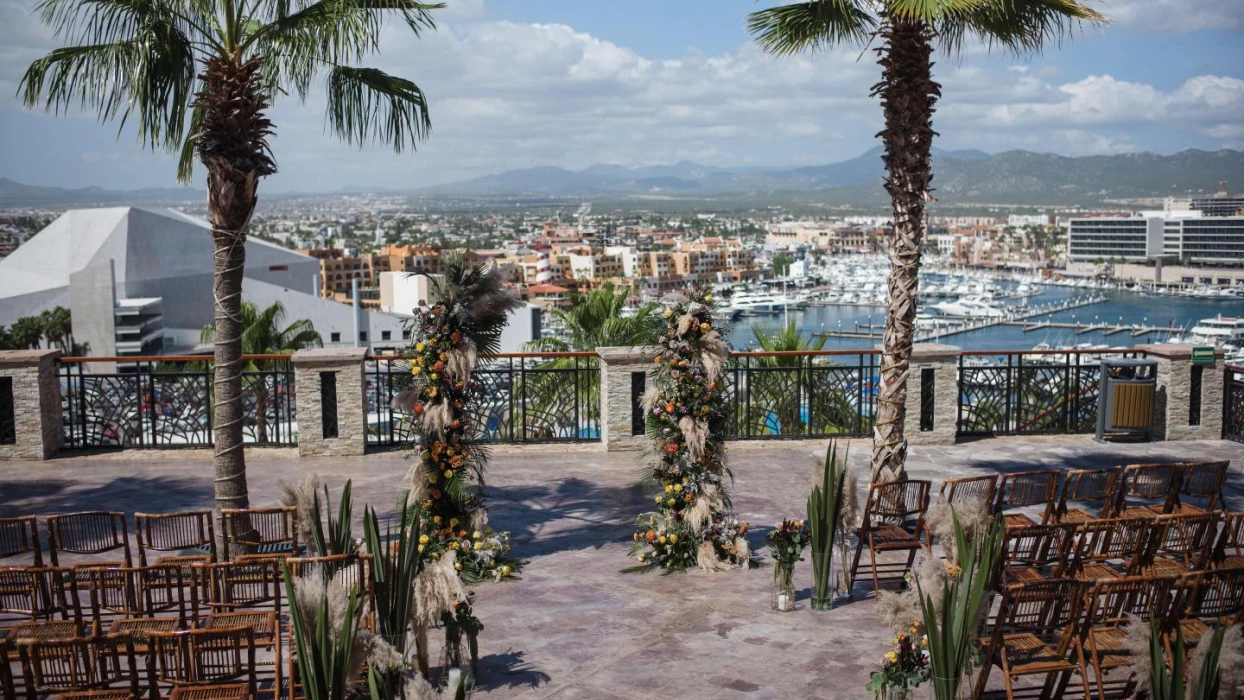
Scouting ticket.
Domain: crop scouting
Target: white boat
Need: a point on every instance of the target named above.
(968, 307)
(759, 302)
(1220, 330)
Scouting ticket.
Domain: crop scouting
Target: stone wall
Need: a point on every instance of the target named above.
(36, 403)
(1173, 402)
(616, 366)
(943, 360)
(347, 365)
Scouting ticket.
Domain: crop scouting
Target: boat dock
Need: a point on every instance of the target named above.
(1136, 330)
(1015, 316)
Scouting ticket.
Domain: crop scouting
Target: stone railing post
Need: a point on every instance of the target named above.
(1188, 403)
(625, 374)
(938, 364)
(30, 410)
(332, 415)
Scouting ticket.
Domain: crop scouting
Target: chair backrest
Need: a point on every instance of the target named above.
(1215, 594)
(19, 536)
(972, 488)
(266, 530)
(93, 532)
(1114, 601)
(1127, 540)
(1203, 480)
(1038, 546)
(1032, 488)
(898, 502)
(1096, 486)
(1152, 484)
(1187, 536)
(172, 532)
(1230, 537)
(202, 656)
(79, 664)
(113, 593)
(1048, 609)
(250, 585)
(30, 593)
(169, 589)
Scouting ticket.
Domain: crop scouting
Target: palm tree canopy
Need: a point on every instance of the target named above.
(596, 320)
(264, 332)
(143, 61)
(1018, 26)
(785, 338)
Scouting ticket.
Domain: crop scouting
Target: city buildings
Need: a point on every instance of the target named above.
(1187, 236)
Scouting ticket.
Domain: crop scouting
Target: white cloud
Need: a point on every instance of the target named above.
(1175, 16)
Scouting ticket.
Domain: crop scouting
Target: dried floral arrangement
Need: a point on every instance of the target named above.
(451, 337)
(686, 421)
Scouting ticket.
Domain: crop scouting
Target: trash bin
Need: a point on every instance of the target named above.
(1125, 398)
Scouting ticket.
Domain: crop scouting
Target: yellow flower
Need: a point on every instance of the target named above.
(453, 522)
(892, 657)
(432, 342)
(668, 488)
(458, 566)
(453, 545)
(673, 539)
(661, 539)
(423, 539)
(677, 488)
(449, 473)
(477, 534)
(667, 313)
(924, 641)
(436, 555)
(708, 298)
(479, 546)
(488, 530)
(704, 327)
(421, 549)
(415, 370)
(657, 499)
(669, 502)
(436, 519)
(640, 559)
(505, 571)
(419, 347)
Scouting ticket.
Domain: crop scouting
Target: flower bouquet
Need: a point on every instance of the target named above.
(902, 669)
(786, 543)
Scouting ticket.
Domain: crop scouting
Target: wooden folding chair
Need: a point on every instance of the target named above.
(1112, 605)
(1111, 548)
(1155, 486)
(176, 532)
(1037, 632)
(236, 691)
(1182, 543)
(44, 603)
(92, 532)
(1227, 553)
(85, 665)
(1085, 488)
(972, 488)
(1036, 553)
(203, 657)
(893, 521)
(259, 532)
(1025, 489)
(248, 594)
(1212, 597)
(156, 599)
(18, 537)
(1202, 481)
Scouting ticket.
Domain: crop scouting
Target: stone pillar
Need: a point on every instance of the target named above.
(620, 369)
(1172, 406)
(35, 410)
(943, 360)
(339, 429)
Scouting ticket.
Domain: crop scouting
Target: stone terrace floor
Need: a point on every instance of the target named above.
(575, 627)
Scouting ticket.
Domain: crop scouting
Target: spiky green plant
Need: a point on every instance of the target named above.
(1172, 684)
(824, 504)
(323, 650)
(950, 633)
(338, 536)
(395, 564)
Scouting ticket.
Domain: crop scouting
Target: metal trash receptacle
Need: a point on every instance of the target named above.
(1125, 398)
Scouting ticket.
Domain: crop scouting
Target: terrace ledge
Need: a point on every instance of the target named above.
(34, 391)
(329, 356)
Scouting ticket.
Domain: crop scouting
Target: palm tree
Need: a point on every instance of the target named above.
(785, 338)
(909, 30)
(196, 77)
(58, 328)
(263, 334)
(26, 333)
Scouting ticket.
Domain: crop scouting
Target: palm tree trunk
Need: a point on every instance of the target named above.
(908, 95)
(232, 147)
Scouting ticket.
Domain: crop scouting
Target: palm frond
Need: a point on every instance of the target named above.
(810, 26)
(367, 104)
(1017, 26)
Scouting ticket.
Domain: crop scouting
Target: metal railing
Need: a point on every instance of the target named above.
(519, 398)
(166, 401)
(799, 394)
(1233, 404)
(1031, 392)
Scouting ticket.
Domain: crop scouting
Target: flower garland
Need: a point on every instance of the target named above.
(451, 336)
(686, 420)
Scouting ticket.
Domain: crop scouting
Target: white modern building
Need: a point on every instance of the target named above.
(401, 292)
(1187, 235)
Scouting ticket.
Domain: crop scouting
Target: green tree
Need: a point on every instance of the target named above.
(58, 328)
(25, 333)
(264, 333)
(781, 264)
(197, 77)
(785, 338)
(907, 32)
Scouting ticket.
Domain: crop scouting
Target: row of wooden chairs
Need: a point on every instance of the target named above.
(1064, 626)
(93, 533)
(1138, 490)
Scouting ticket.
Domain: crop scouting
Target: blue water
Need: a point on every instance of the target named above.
(1119, 308)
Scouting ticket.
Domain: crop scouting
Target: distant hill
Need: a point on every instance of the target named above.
(16, 194)
(967, 175)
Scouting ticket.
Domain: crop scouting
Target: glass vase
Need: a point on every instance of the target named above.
(783, 599)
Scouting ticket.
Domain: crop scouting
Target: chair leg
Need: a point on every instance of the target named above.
(872, 555)
(1006, 676)
(1098, 676)
(855, 562)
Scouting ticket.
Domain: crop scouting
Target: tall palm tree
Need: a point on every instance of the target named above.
(264, 333)
(786, 338)
(909, 30)
(196, 77)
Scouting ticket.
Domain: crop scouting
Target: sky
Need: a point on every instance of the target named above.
(523, 83)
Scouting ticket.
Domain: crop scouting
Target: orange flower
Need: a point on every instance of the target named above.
(456, 336)
(669, 407)
(672, 448)
(652, 536)
(436, 493)
(438, 366)
(418, 409)
(743, 529)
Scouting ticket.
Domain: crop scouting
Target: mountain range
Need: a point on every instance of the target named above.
(968, 176)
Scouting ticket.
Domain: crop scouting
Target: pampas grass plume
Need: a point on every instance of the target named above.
(302, 499)
(435, 590)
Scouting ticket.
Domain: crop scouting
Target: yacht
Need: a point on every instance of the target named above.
(1220, 330)
(968, 307)
(758, 302)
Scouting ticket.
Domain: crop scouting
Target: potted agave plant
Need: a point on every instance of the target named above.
(824, 507)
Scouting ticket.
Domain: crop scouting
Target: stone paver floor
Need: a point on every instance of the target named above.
(575, 627)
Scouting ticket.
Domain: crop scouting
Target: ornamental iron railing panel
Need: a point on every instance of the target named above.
(1233, 404)
(801, 394)
(1030, 393)
(517, 398)
(167, 402)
